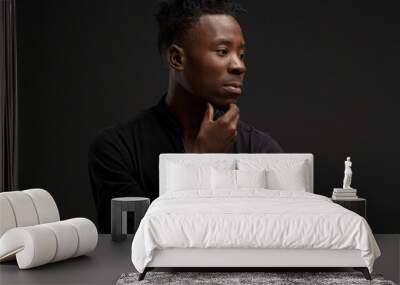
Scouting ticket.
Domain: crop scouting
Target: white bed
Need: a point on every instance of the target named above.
(280, 224)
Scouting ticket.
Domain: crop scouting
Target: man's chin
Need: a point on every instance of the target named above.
(224, 108)
(223, 104)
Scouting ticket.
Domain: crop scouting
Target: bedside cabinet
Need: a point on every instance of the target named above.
(119, 208)
(357, 205)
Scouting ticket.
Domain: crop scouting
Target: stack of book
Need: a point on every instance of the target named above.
(344, 194)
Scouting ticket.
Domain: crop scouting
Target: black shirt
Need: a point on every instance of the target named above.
(123, 160)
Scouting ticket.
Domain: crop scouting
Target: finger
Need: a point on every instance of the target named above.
(236, 120)
(234, 126)
(231, 113)
(210, 110)
(209, 113)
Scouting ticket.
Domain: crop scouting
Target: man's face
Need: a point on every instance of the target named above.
(214, 68)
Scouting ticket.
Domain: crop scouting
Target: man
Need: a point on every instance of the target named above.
(204, 48)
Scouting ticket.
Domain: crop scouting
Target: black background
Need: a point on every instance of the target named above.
(322, 78)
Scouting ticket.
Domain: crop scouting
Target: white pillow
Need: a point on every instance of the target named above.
(188, 177)
(223, 179)
(226, 179)
(291, 179)
(251, 178)
(289, 175)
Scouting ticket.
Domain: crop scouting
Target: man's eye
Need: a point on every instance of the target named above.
(222, 52)
(242, 56)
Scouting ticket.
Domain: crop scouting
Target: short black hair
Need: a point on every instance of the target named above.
(175, 17)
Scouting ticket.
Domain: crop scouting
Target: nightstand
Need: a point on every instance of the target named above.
(357, 205)
(119, 208)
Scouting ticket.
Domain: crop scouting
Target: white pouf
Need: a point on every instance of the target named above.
(32, 233)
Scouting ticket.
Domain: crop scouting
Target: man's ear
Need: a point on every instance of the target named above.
(176, 57)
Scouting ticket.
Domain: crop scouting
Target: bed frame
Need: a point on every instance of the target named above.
(246, 258)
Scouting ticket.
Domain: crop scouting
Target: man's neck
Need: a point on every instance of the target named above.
(189, 109)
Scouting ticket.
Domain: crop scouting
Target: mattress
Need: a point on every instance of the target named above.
(250, 218)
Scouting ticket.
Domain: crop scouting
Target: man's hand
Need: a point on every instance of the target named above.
(217, 136)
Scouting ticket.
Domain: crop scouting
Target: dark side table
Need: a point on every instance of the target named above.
(357, 205)
(119, 208)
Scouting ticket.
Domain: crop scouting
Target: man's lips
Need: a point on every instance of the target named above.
(234, 84)
(233, 88)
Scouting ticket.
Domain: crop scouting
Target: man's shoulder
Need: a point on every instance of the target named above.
(260, 141)
(251, 130)
(121, 131)
(142, 117)
(105, 140)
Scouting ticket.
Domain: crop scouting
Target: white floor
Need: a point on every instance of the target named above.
(389, 262)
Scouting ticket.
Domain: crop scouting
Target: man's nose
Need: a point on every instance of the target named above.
(237, 65)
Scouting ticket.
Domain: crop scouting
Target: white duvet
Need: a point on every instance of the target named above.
(250, 218)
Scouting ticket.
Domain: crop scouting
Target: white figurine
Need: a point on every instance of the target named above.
(347, 174)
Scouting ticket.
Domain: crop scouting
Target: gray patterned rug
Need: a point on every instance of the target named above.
(230, 278)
